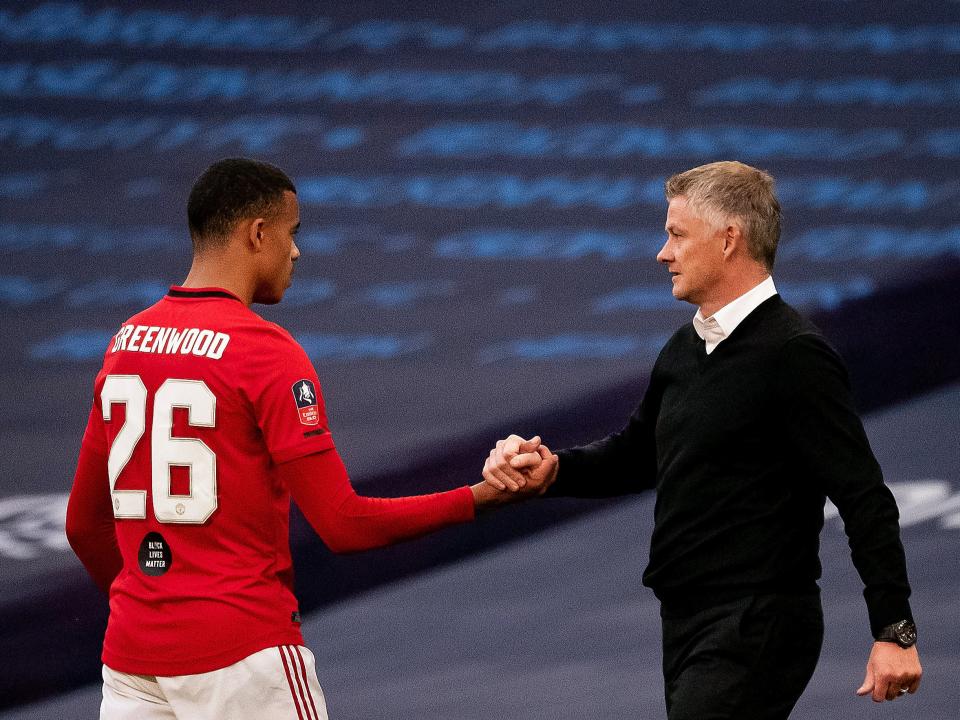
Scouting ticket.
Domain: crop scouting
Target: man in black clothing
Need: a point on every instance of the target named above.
(746, 427)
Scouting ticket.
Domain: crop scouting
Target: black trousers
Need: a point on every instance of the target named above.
(747, 659)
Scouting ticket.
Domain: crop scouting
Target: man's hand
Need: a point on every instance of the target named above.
(892, 671)
(486, 496)
(519, 465)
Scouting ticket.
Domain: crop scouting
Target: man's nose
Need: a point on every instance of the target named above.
(665, 256)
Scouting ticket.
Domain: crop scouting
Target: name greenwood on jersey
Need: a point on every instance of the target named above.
(170, 341)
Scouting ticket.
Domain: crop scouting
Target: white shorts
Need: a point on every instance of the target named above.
(278, 683)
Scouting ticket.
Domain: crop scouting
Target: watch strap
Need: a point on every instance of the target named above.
(903, 633)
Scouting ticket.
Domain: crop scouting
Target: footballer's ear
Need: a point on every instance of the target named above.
(255, 233)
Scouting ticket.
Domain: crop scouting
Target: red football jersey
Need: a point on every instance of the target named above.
(198, 401)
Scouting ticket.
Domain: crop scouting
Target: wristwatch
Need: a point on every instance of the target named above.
(903, 633)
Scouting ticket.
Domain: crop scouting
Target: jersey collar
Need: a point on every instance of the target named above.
(201, 292)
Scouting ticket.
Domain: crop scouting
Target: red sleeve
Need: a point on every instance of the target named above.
(347, 522)
(287, 399)
(89, 526)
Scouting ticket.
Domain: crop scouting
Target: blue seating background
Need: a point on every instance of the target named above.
(481, 196)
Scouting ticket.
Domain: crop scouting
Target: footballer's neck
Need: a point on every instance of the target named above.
(220, 270)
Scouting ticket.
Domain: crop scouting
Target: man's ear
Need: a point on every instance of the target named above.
(732, 239)
(255, 234)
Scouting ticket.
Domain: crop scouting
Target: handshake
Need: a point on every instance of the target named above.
(516, 469)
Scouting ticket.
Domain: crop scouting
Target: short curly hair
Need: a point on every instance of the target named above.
(730, 189)
(230, 190)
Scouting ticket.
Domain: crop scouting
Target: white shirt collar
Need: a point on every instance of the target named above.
(717, 328)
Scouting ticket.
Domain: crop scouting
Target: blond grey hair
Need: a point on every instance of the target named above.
(729, 190)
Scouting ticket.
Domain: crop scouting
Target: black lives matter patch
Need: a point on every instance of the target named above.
(305, 395)
(154, 557)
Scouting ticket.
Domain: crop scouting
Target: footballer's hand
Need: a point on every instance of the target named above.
(540, 477)
(486, 496)
(892, 671)
(537, 479)
(504, 467)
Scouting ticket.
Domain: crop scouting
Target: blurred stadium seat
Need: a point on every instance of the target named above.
(481, 197)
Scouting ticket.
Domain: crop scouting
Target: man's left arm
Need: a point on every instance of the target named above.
(89, 523)
(831, 444)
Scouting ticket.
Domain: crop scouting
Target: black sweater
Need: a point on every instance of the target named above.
(742, 446)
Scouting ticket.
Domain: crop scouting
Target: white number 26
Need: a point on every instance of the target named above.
(167, 451)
